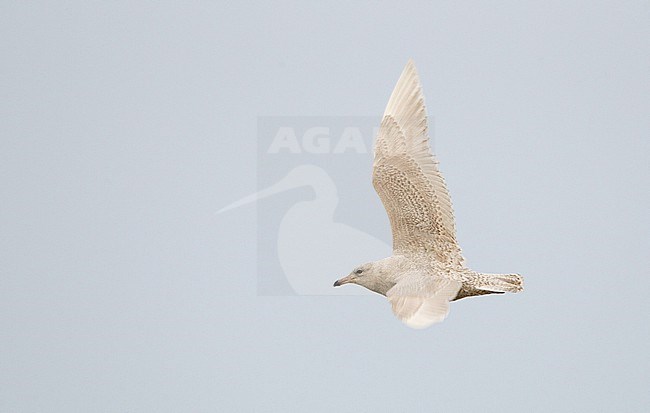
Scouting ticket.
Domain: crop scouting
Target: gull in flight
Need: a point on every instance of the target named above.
(427, 269)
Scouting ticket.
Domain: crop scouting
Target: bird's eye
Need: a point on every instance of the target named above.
(358, 271)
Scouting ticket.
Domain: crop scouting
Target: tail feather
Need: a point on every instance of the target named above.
(501, 283)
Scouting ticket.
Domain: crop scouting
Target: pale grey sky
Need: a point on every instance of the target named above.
(126, 125)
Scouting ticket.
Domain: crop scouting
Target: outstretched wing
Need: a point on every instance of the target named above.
(421, 300)
(407, 178)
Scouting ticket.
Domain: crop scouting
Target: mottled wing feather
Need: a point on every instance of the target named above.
(419, 300)
(407, 178)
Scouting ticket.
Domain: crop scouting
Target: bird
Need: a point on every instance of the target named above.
(426, 270)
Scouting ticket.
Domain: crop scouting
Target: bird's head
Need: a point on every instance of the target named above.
(368, 275)
(356, 276)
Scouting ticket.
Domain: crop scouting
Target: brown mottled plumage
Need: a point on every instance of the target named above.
(427, 269)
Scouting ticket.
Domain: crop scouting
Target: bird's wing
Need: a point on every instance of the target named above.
(407, 178)
(420, 300)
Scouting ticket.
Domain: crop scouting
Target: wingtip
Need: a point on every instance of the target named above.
(410, 66)
(407, 85)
